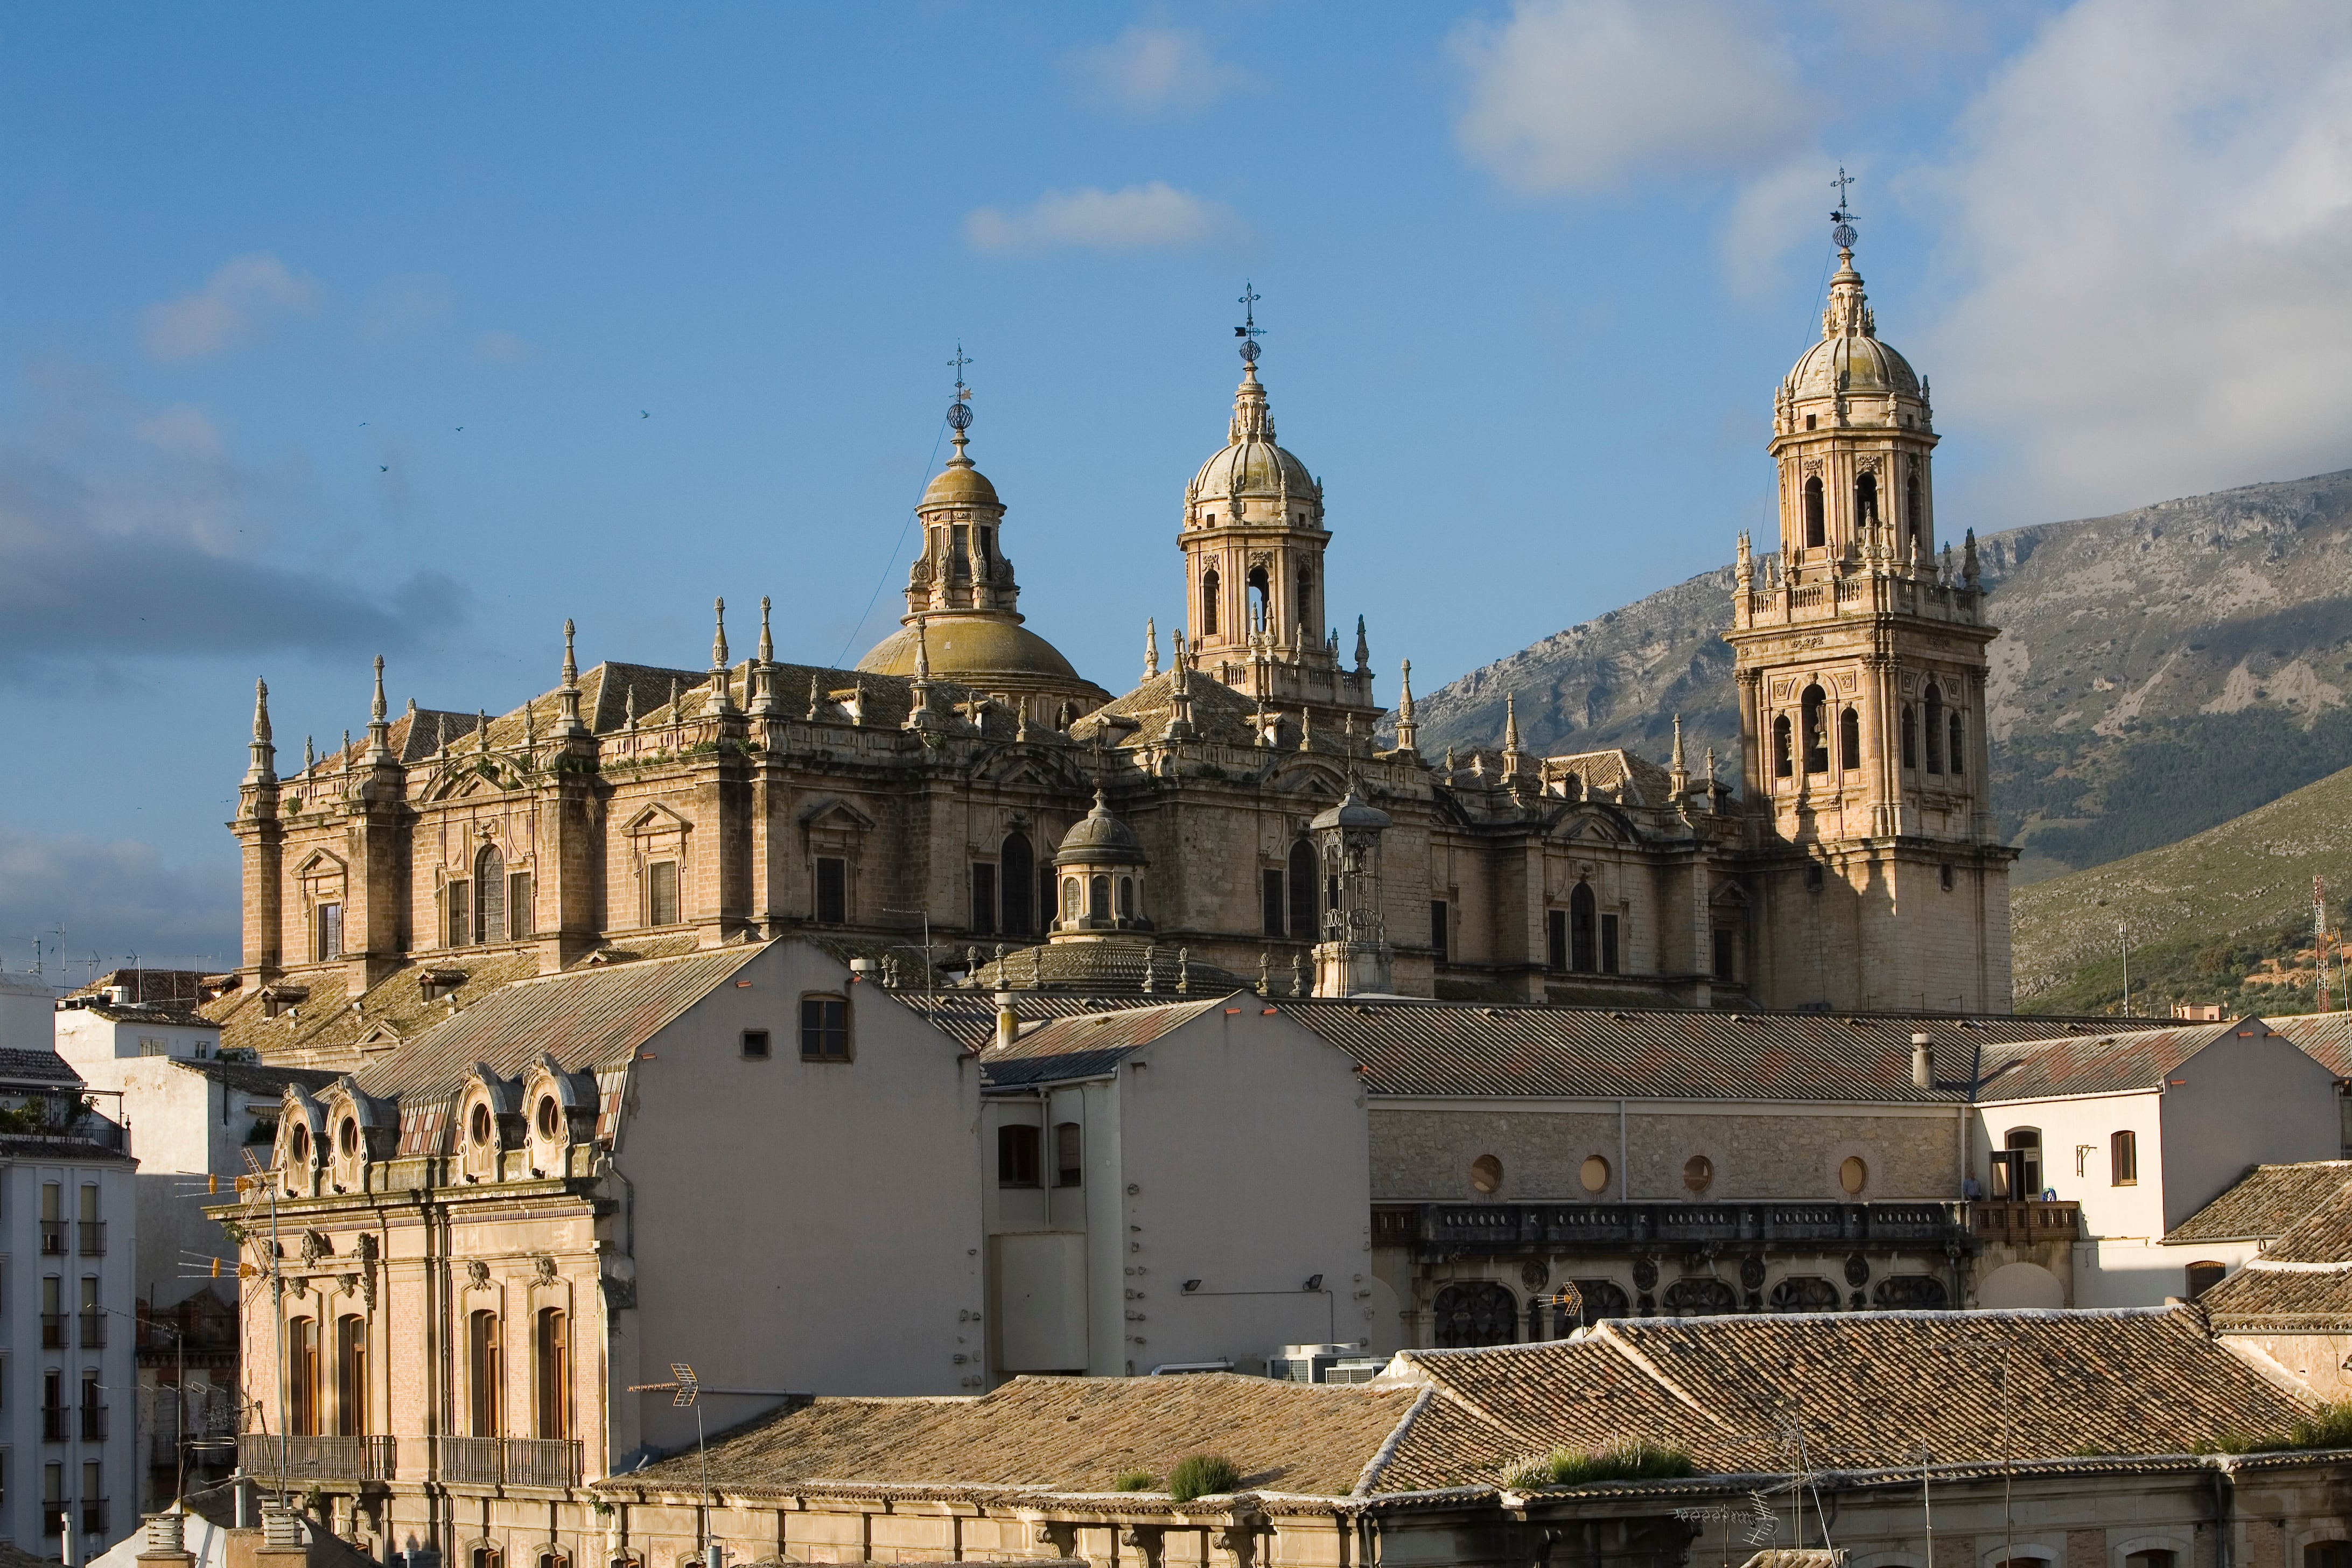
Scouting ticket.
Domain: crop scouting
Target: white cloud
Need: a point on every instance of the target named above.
(1151, 70)
(234, 308)
(405, 304)
(1776, 213)
(1583, 96)
(1154, 216)
(502, 347)
(2152, 212)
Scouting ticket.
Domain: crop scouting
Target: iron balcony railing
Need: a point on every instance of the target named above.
(93, 1516)
(93, 1239)
(56, 1422)
(365, 1458)
(1448, 1228)
(52, 1331)
(549, 1462)
(93, 1330)
(93, 1423)
(53, 1239)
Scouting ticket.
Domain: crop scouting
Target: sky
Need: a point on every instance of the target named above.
(327, 331)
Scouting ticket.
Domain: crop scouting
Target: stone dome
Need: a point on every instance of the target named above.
(1857, 366)
(1099, 839)
(970, 651)
(958, 484)
(1250, 464)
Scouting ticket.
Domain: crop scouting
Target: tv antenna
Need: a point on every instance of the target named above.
(1842, 216)
(1249, 332)
(684, 1389)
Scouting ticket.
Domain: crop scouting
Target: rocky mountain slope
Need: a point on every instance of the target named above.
(2160, 671)
(2224, 916)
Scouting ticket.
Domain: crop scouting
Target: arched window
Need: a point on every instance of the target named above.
(485, 1373)
(1935, 728)
(1478, 1313)
(551, 1373)
(1866, 499)
(1700, 1297)
(1098, 898)
(1583, 929)
(1909, 1292)
(1782, 756)
(1957, 749)
(1849, 740)
(1017, 876)
(1070, 901)
(1805, 1293)
(302, 1376)
(490, 895)
(351, 1376)
(1209, 587)
(2017, 1168)
(1817, 740)
(1126, 897)
(1303, 878)
(1816, 515)
(1911, 507)
(2201, 1277)
(2123, 1159)
(1260, 598)
(1307, 596)
(1910, 736)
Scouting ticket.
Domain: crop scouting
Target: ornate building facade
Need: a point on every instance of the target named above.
(919, 798)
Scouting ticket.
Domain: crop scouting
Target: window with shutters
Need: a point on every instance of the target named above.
(1304, 876)
(489, 896)
(1271, 900)
(1555, 939)
(1583, 929)
(983, 898)
(832, 890)
(456, 899)
(1069, 1171)
(1441, 932)
(661, 893)
(486, 1375)
(1017, 1156)
(824, 1028)
(331, 931)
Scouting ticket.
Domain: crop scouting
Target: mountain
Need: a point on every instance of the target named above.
(2224, 916)
(2159, 671)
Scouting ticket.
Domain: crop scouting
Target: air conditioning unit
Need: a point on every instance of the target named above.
(1324, 1364)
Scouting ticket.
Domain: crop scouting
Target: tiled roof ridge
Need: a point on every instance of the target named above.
(1370, 1474)
(2289, 1266)
(1626, 1348)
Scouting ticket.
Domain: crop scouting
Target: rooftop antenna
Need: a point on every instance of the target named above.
(684, 1389)
(1249, 332)
(1843, 216)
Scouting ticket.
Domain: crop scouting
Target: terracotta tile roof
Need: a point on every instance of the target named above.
(252, 1077)
(323, 1030)
(2325, 1035)
(1111, 967)
(2268, 1201)
(1872, 1388)
(2104, 1064)
(1622, 777)
(37, 1068)
(586, 1017)
(1088, 1044)
(1221, 716)
(2258, 1299)
(1060, 1434)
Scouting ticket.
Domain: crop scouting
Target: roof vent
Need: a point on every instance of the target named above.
(1923, 1062)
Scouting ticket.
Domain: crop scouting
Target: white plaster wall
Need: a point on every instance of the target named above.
(2132, 1271)
(25, 1008)
(801, 1225)
(2249, 1099)
(2136, 1211)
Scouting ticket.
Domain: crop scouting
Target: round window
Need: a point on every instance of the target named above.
(480, 1124)
(1852, 1175)
(1698, 1173)
(550, 1117)
(1486, 1174)
(1594, 1174)
(301, 1144)
(349, 1136)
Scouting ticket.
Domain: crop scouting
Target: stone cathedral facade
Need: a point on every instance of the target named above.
(1847, 862)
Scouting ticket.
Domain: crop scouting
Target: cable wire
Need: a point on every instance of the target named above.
(898, 544)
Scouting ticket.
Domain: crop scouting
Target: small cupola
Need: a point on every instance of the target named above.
(1100, 867)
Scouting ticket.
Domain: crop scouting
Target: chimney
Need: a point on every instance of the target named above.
(1008, 1022)
(1923, 1063)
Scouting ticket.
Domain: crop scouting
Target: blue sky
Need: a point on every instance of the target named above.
(326, 332)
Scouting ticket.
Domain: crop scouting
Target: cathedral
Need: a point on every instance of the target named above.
(964, 800)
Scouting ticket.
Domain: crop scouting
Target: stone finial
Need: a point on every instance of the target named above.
(1305, 729)
(310, 757)
(571, 664)
(1183, 969)
(767, 639)
(567, 722)
(1710, 767)
(629, 707)
(1407, 732)
(440, 734)
(677, 707)
(1743, 571)
(816, 697)
(379, 753)
(481, 730)
(1970, 571)
(376, 709)
(1298, 984)
(262, 768)
(529, 727)
(1151, 647)
(346, 753)
(723, 696)
(1510, 723)
(1264, 973)
(1364, 647)
(764, 704)
(1677, 772)
(922, 648)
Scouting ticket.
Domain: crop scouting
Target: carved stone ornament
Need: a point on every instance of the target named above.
(542, 1269)
(300, 1287)
(477, 1274)
(1811, 468)
(366, 1246)
(315, 1247)
(350, 1283)
(1867, 465)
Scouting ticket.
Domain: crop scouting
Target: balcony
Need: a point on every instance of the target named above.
(93, 1237)
(1438, 1230)
(57, 1423)
(93, 1330)
(52, 1331)
(2026, 1221)
(93, 1423)
(549, 1462)
(316, 1458)
(93, 1516)
(53, 1239)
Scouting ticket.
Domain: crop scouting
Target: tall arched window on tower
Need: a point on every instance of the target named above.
(1816, 729)
(1304, 876)
(1307, 596)
(1783, 756)
(1850, 741)
(1910, 736)
(490, 895)
(1935, 728)
(1208, 588)
(1817, 530)
(1957, 750)
(1583, 929)
(1911, 507)
(1016, 877)
(1866, 499)
(1260, 601)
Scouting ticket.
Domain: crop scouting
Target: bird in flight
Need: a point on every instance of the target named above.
(383, 468)
(461, 427)
(643, 414)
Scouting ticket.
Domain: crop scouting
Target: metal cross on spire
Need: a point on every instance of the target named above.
(1249, 332)
(1842, 217)
(960, 411)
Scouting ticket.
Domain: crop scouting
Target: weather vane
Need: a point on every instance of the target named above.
(1249, 332)
(1843, 217)
(960, 411)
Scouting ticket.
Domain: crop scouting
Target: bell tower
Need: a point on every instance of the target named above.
(1253, 541)
(1859, 654)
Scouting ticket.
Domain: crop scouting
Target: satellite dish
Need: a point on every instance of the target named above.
(960, 416)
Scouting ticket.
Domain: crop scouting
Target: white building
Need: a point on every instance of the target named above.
(68, 1235)
(2142, 1129)
(25, 1003)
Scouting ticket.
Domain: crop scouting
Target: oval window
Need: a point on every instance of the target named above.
(550, 1117)
(1486, 1174)
(480, 1124)
(349, 1136)
(1698, 1173)
(1594, 1174)
(1852, 1175)
(301, 1144)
